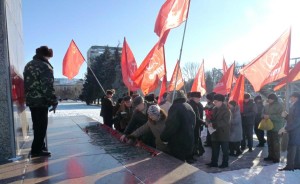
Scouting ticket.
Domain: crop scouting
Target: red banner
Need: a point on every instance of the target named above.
(171, 15)
(271, 65)
(151, 70)
(180, 81)
(199, 84)
(294, 75)
(72, 61)
(224, 85)
(237, 94)
(128, 65)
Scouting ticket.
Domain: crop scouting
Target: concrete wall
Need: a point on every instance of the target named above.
(13, 122)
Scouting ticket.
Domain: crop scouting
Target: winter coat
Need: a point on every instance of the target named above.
(249, 113)
(259, 107)
(156, 128)
(179, 130)
(137, 120)
(236, 130)
(198, 109)
(221, 122)
(293, 124)
(107, 107)
(38, 83)
(274, 111)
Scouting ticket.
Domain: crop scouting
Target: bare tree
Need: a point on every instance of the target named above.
(189, 70)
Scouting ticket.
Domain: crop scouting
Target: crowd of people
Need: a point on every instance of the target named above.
(175, 126)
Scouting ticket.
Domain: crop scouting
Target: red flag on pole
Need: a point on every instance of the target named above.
(180, 81)
(271, 65)
(151, 70)
(237, 94)
(171, 15)
(225, 68)
(294, 75)
(163, 89)
(199, 82)
(224, 85)
(72, 61)
(128, 65)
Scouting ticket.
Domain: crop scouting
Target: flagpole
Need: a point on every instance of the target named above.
(180, 53)
(96, 78)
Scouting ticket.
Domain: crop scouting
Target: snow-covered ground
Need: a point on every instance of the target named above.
(253, 175)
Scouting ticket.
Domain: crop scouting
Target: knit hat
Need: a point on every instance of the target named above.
(195, 94)
(272, 96)
(44, 51)
(219, 97)
(154, 112)
(296, 94)
(247, 96)
(137, 101)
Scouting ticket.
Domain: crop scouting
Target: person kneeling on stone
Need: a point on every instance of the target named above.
(155, 124)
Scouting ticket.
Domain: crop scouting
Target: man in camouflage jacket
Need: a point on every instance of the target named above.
(40, 95)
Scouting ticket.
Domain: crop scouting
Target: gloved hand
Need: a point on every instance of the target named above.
(282, 131)
(53, 108)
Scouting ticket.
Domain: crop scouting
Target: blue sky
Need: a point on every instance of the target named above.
(238, 30)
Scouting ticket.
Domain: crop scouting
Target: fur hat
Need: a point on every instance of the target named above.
(219, 97)
(195, 94)
(137, 101)
(109, 92)
(295, 94)
(150, 97)
(44, 51)
(154, 112)
(210, 96)
(127, 98)
(273, 96)
(257, 98)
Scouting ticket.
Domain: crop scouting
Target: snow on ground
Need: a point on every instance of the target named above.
(254, 175)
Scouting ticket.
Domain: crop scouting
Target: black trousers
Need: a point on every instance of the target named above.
(39, 116)
(216, 145)
(247, 135)
(260, 134)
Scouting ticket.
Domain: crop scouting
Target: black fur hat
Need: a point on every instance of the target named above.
(44, 51)
(195, 94)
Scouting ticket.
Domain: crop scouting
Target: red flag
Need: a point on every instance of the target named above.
(271, 65)
(180, 81)
(224, 85)
(225, 68)
(151, 70)
(294, 75)
(163, 89)
(72, 61)
(238, 91)
(199, 82)
(171, 15)
(128, 65)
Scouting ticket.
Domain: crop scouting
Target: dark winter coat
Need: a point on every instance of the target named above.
(107, 107)
(293, 124)
(221, 122)
(249, 113)
(137, 120)
(179, 131)
(259, 108)
(38, 83)
(236, 130)
(198, 109)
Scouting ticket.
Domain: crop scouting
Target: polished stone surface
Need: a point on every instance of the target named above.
(84, 152)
